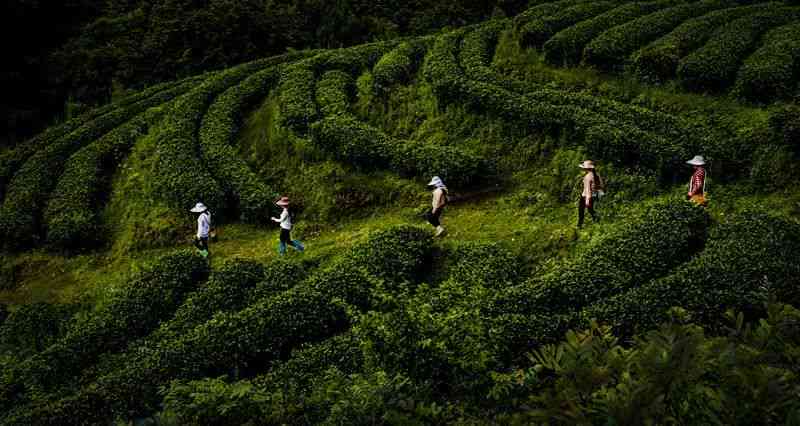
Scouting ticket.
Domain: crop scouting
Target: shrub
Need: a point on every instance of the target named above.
(219, 128)
(772, 71)
(296, 95)
(566, 46)
(536, 32)
(72, 217)
(353, 142)
(33, 327)
(490, 265)
(545, 9)
(151, 296)
(477, 51)
(335, 90)
(744, 260)
(20, 215)
(664, 236)
(399, 65)
(352, 60)
(659, 60)
(13, 159)
(785, 121)
(713, 67)
(610, 50)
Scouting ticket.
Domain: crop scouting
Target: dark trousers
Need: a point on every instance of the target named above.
(286, 240)
(582, 208)
(201, 243)
(433, 217)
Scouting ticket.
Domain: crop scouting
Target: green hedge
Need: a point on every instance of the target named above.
(771, 72)
(399, 65)
(219, 128)
(490, 265)
(477, 52)
(662, 237)
(713, 67)
(745, 260)
(349, 140)
(545, 9)
(536, 32)
(151, 296)
(72, 217)
(32, 327)
(352, 60)
(566, 46)
(20, 214)
(296, 95)
(12, 160)
(335, 91)
(658, 61)
(611, 49)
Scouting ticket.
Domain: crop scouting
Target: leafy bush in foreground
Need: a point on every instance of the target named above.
(611, 49)
(33, 327)
(566, 46)
(773, 70)
(659, 60)
(713, 67)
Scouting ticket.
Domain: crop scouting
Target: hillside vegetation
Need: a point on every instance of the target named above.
(661, 312)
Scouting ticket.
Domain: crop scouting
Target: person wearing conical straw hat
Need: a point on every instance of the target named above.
(203, 228)
(592, 190)
(697, 185)
(286, 228)
(437, 205)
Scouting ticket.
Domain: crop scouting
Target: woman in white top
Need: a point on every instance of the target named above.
(439, 193)
(286, 228)
(203, 228)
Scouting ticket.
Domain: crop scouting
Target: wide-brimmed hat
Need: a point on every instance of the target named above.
(199, 208)
(698, 160)
(436, 181)
(283, 202)
(587, 164)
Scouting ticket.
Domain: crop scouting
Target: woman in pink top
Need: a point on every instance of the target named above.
(697, 186)
(592, 185)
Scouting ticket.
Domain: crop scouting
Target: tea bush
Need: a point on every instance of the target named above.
(72, 217)
(566, 47)
(400, 64)
(771, 72)
(218, 131)
(335, 90)
(611, 49)
(744, 261)
(33, 327)
(536, 32)
(713, 67)
(150, 297)
(658, 61)
(21, 213)
(544, 9)
(296, 95)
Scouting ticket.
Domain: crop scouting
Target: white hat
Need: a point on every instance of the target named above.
(587, 164)
(436, 181)
(199, 208)
(698, 160)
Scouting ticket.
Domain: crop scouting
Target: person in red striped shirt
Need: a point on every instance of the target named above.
(697, 185)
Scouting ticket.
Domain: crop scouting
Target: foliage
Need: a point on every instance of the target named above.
(772, 71)
(536, 32)
(400, 64)
(611, 49)
(33, 327)
(566, 47)
(659, 60)
(335, 90)
(713, 67)
(296, 91)
(674, 373)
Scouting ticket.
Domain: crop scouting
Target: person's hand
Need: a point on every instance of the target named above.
(689, 194)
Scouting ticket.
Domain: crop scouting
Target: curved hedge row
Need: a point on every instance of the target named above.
(543, 9)
(713, 67)
(659, 60)
(399, 65)
(352, 60)
(296, 95)
(744, 260)
(12, 160)
(566, 46)
(71, 217)
(477, 51)
(773, 70)
(611, 49)
(219, 128)
(33, 327)
(535, 33)
(151, 296)
(354, 142)
(335, 90)
(20, 214)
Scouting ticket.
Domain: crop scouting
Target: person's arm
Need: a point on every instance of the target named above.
(587, 189)
(437, 198)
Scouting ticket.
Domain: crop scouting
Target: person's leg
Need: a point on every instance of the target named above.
(581, 208)
(298, 245)
(433, 219)
(438, 225)
(284, 241)
(203, 246)
(592, 212)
